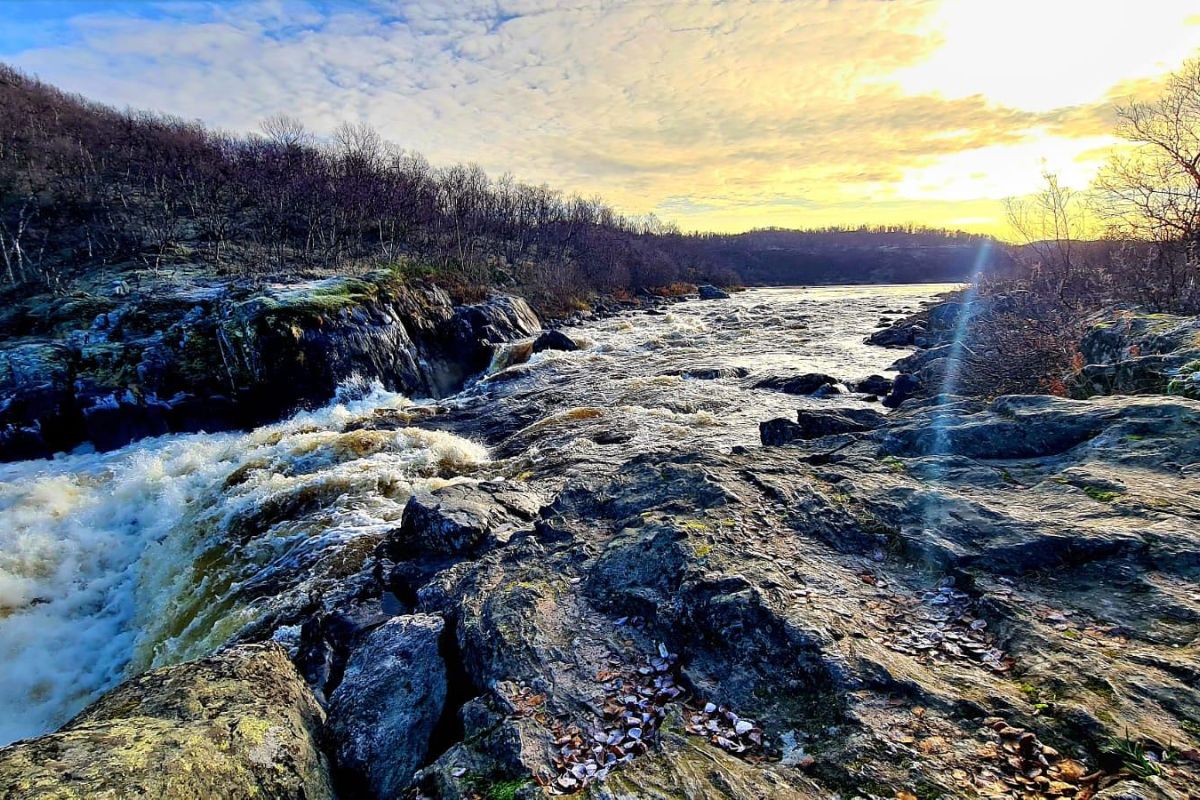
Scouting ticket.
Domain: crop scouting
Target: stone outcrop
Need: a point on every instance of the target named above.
(458, 518)
(1131, 352)
(894, 607)
(184, 358)
(238, 725)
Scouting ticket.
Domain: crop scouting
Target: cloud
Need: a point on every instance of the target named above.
(729, 114)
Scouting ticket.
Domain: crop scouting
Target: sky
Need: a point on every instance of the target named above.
(718, 116)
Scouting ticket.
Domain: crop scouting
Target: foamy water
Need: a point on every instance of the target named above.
(113, 563)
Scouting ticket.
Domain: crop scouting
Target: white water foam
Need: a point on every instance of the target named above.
(113, 563)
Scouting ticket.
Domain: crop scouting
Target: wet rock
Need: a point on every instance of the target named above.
(874, 384)
(38, 414)
(779, 431)
(459, 518)
(930, 327)
(240, 724)
(800, 384)
(174, 359)
(554, 340)
(382, 715)
(710, 292)
(500, 318)
(904, 386)
(814, 424)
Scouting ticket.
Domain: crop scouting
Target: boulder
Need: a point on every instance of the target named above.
(903, 387)
(1130, 352)
(815, 424)
(778, 431)
(238, 724)
(383, 714)
(874, 384)
(710, 292)
(500, 318)
(798, 384)
(459, 518)
(554, 340)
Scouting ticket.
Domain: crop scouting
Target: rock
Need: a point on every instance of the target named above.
(1131, 352)
(815, 424)
(903, 589)
(500, 318)
(903, 387)
(554, 340)
(944, 316)
(38, 413)
(778, 431)
(459, 518)
(239, 724)
(874, 384)
(382, 715)
(710, 292)
(800, 384)
(181, 358)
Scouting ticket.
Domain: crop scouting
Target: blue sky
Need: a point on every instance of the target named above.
(719, 115)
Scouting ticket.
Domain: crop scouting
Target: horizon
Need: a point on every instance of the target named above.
(725, 119)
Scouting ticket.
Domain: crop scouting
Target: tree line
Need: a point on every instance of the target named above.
(84, 187)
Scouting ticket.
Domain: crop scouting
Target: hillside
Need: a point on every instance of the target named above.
(89, 193)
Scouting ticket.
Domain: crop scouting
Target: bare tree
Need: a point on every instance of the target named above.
(285, 131)
(1049, 224)
(1151, 191)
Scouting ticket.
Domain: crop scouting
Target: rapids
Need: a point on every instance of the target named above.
(114, 563)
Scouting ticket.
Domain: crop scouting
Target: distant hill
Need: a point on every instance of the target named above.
(852, 255)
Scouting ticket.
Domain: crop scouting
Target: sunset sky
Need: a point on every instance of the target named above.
(718, 116)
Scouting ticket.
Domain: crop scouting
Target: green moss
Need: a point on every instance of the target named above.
(1192, 728)
(894, 464)
(1186, 382)
(504, 790)
(110, 364)
(1101, 495)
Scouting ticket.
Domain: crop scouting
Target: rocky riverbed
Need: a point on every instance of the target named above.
(688, 553)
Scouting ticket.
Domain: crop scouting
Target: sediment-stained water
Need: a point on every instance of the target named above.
(114, 563)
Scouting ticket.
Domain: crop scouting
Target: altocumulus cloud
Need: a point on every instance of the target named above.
(718, 115)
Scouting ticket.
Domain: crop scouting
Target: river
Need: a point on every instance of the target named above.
(114, 563)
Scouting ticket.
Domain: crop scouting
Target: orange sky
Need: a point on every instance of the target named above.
(718, 116)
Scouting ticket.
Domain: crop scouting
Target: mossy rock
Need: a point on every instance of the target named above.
(239, 724)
